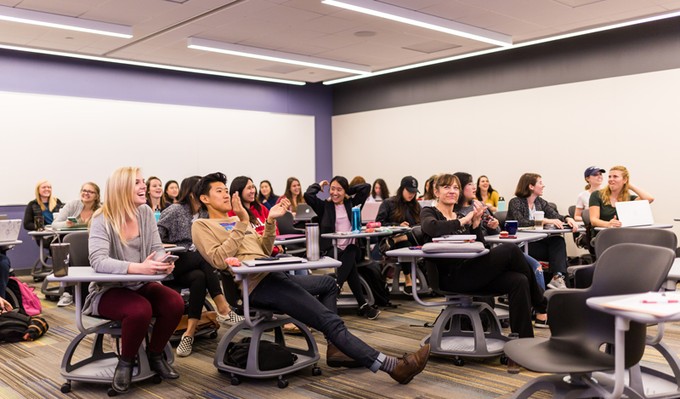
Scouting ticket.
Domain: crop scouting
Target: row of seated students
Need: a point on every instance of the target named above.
(504, 270)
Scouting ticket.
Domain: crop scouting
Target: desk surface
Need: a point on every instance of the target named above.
(85, 274)
(651, 226)
(290, 241)
(50, 231)
(599, 302)
(7, 244)
(406, 253)
(280, 265)
(531, 230)
(341, 236)
(522, 236)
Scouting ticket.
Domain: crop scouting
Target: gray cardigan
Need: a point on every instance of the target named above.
(106, 253)
(71, 209)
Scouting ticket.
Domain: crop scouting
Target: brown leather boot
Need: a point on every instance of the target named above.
(410, 365)
(335, 358)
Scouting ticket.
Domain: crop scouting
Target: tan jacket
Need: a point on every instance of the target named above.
(218, 239)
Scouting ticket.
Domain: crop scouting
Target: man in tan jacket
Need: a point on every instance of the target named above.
(221, 237)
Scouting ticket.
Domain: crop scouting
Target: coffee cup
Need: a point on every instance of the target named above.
(538, 220)
(39, 222)
(60, 258)
(511, 227)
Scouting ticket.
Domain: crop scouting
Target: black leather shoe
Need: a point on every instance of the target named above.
(122, 377)
(158, 364)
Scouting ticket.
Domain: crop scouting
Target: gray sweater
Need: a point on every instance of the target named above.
(71, 209)
(107, 254)
(174, 226)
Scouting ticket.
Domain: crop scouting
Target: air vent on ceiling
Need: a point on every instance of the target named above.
(281, 68)
(431, 46)
(577, 3)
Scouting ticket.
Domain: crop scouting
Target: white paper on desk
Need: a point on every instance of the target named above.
(455, 237)
(659, 304)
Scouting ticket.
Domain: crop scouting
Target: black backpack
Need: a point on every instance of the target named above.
(376, 281)
(13, 326)
(271, 356)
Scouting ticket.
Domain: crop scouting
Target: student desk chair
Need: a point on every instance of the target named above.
(100, 365)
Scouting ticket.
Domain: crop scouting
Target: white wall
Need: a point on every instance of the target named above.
(70, 140)
(555, 131)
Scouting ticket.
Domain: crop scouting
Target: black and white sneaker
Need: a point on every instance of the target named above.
(369, 311)
(557, 282)
(185, 346)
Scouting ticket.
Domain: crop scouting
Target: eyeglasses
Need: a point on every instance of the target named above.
(88, 192)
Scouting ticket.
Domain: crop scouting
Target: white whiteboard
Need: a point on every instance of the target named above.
(70, 140)
(556, 131)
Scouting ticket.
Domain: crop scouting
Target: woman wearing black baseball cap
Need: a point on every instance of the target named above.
(403, 210)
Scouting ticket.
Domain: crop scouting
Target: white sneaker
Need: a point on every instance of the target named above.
(185, 346)
(65, 300)
(557, 282)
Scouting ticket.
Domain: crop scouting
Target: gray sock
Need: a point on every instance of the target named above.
(389, 364)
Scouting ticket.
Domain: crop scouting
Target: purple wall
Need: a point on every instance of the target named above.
(30, 73)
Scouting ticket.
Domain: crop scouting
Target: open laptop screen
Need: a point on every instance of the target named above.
(634, 213)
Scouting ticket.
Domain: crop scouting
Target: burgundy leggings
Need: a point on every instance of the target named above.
(134, 309)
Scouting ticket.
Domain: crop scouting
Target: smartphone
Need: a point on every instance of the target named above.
(170, 259)
(72, 219)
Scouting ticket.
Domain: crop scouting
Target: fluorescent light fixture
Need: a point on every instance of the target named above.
(63, 22)
(150, 65)
(276, 56)
(403, 15)
(514, 46)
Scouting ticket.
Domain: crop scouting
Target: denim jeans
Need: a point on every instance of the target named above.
(538, 270)
(297, 297)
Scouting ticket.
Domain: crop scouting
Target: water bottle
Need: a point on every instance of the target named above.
(312, 236)
(501, 204)
(157, 214)
(356, 219)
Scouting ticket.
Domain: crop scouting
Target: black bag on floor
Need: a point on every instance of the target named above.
(376, 281)
(271, 356)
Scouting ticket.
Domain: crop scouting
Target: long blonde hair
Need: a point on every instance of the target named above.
(624, 195)
(51, 202)
(119, 205)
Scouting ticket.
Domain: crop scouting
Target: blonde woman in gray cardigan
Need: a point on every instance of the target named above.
(124, 240)
(81, 209)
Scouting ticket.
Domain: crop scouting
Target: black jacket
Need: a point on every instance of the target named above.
(386, 213)
(33, 210)
(325, 210)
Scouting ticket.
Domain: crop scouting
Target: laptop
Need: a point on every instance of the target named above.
(9, 229)
(369, 211)
(304, 212)
(634, 213)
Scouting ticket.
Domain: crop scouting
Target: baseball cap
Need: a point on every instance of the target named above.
(593, 170)
(410, 183)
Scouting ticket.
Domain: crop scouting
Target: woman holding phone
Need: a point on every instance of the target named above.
(124, 240)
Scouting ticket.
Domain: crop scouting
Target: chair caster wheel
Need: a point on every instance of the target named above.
(459, 362)
(213, 335)
(66, 387)
(282, 383)
(234, 380)
(504, 360)
(316, 371)
(52, 298)
(112, 392)
(156, 379)
(38, 279)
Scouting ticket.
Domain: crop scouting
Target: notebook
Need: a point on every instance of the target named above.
(9, 229)
(369, 211)
(304, 212)
(634, 213)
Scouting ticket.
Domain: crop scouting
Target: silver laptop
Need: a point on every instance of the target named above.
(369, 211)
(634, 213)
(304, 212)
(9, 229)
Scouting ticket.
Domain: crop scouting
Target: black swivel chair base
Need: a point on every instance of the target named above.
(305, 357)
(450, 337)
(100, 365)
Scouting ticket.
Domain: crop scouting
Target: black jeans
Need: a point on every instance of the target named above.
(350, 257)
(504, 270)
(192, 271)
(551, 249)
(295, 296)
